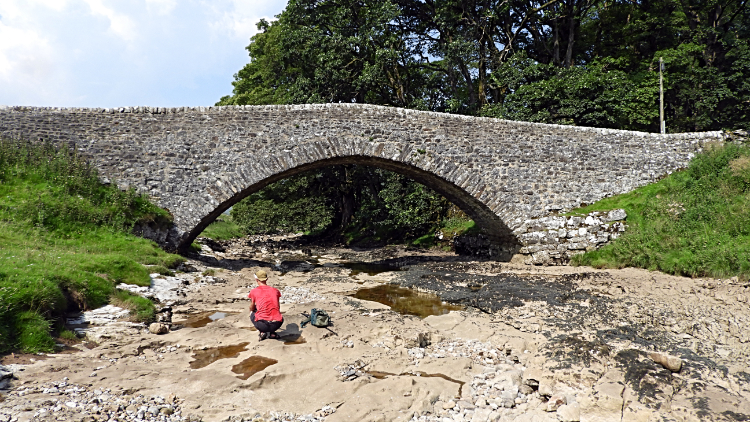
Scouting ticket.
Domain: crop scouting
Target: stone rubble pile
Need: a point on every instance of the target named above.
(171, 290)
(65, 401)
(503, 391)
(299, 295)
(551, 240)
(351, 371)
(104, 323)
(7, 375)
(318, 416)
(555, 239)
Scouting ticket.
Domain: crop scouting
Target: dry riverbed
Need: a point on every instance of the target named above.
(469, 341)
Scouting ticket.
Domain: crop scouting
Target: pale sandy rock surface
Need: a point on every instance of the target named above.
(537, 344)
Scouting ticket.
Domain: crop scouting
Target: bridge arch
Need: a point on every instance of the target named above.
(488, 222)
(196, 162)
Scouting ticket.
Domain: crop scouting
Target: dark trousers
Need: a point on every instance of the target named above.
(265, 326)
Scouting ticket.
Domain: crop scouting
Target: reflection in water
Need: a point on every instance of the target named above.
(206, 357)
(406, 301)
(204, 318)
(382, 375)
(252, 365)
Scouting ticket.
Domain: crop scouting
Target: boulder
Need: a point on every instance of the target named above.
(672, 363)
(569, 413)
(158, 328)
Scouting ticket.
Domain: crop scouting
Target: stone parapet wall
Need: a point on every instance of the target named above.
(197, 162)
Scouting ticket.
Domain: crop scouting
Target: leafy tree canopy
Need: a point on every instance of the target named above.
(582, 62)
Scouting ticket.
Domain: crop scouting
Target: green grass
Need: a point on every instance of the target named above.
(451, 228)
(68, 335)
(141, 308)
(223, 228)
(65, 242)
(695, 222)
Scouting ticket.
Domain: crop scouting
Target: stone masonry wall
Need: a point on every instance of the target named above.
(555, 239)
(552, 240)
(197, 162)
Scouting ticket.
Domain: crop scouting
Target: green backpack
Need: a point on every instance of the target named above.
(318, 318)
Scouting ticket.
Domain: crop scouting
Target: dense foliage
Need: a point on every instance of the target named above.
(363, 203)
(65, 243)
(695, 222)
(582, 62)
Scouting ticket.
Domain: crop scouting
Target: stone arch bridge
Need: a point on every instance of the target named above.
(197, 162)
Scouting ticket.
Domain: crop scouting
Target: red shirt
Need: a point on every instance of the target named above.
(266, 299)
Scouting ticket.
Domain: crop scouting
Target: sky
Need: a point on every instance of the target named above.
(117, 53)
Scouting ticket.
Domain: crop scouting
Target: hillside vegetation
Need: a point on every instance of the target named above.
(66, 243)
(695, 222)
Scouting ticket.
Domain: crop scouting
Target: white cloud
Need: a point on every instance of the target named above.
(106, 53)
(120, 24)
(161, 7)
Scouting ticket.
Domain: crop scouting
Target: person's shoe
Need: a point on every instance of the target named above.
(262, 336)
(273, 336)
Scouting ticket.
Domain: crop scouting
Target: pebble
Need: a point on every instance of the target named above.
(65, 401)
(299, 295)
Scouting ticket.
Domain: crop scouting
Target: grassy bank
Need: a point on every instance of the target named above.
(695, 222)
(65, 243)
(450, 228)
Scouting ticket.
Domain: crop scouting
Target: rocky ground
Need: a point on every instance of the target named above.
(522, 343)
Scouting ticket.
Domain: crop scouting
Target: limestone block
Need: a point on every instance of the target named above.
(614, 215)
(554, 403)
(606, 402)
(672, 363)
(541, 258)
(609, 396)
(636, 412)
(535, 416)
(158, 328)
(569, 413)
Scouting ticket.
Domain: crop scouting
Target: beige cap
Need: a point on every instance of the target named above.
(261, 275)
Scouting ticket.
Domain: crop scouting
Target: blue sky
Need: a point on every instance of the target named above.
(110, 53)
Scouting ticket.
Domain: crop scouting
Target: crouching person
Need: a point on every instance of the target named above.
(264, 307)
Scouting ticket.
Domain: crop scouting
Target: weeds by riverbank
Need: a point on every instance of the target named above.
(65, 243)
(695, 222)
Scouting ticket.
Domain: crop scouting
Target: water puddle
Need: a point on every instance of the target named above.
(203, 319)
(206, 357)
(382, 375)
(290, 340)
(406, 301)
(252, 365)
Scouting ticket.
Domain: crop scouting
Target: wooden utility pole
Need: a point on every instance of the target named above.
(661, 98)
